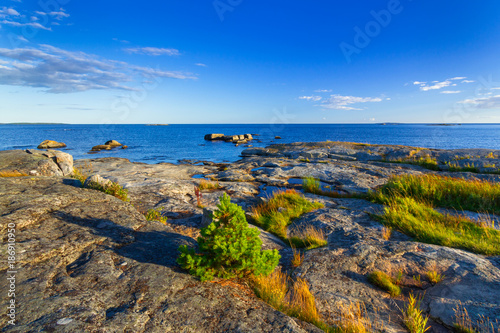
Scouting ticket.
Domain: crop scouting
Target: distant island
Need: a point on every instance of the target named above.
(157, 124)
(33, 123)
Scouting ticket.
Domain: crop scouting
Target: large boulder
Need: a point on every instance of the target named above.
(88, 262)
(101, 147)
(51, 144)
(212, 137)
(36, 163)
(113, 143)
(96, 180)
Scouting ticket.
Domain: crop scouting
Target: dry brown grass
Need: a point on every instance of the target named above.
(272, 288)
(208, 185)
(386, 233)
(301, 302)
(14, 173)
(298, 257)
(183, 230)
(353, 318)
(310, 237)
(83, 172)
(464, 324)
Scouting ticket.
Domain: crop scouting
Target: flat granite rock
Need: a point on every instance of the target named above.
(87, 261)
(36, 162)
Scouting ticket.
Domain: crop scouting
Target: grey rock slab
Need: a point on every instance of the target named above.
(90, 262)
(37, 162)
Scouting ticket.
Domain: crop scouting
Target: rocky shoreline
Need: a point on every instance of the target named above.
(87, 261)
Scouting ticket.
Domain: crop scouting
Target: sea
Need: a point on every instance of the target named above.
(181, 143)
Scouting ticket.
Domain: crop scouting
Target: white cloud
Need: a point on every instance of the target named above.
(57, 15)
(419, 83)
(152, 51)
(436, 86)
(323, 90)
(339, 102)
(311, 98)
(200, 64)
(457, 78)
(4, 12)
(450, 92)
(28, 24)
(60, 71)
(468, 81)
(491, 102)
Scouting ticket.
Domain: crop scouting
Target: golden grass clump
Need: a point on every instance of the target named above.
(272, 289)
(410, 202)
(208, 185)
(278, 212)
(298, 257)
(15, 173)
(156, 215)
(353, 318)
(412, 316)
(434, 277)
(385, 282)
(310, 238)
(301, 302)
(464, 324)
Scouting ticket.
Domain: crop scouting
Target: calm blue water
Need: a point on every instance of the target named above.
(153, 144)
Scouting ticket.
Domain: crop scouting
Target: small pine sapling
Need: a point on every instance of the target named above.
(228, 247)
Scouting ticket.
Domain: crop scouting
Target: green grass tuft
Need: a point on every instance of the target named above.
(278, 213)
(410, 202)
(385, 282)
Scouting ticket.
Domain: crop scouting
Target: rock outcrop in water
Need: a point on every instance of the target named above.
(49, 144)
(237, 139)
(89, 262)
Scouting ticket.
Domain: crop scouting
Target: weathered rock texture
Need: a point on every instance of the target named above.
(91, 262)
(88, 262)
(36, 163)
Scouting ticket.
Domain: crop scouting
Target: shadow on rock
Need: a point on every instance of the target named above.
(153, 245)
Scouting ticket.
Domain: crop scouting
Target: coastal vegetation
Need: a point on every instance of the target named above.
(6, 174)
(410, 202)
(156, 215)
(228, 247)
(313, 185)
(413, 318)
(278, 212)
(207, 185)
(385, 282)
(109, 187)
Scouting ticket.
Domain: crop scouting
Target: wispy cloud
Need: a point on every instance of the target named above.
(491, 102)
(311, 98)
(59, 15)
(339, 102)
(468, 81)
(437, 85)
(451, 92)
(200, 64)
(35, 25)
(61, 71)
(5, 12)
(152, 51)
(323, 90)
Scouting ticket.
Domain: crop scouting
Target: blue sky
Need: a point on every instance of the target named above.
(239, 61)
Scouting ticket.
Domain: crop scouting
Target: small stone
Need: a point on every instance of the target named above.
(64, 321)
